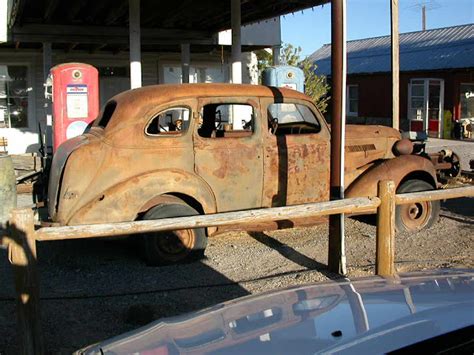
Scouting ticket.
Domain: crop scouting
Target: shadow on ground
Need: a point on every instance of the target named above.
(92, 290)
(461, 207)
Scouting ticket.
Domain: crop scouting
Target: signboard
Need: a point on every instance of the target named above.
(76, 101)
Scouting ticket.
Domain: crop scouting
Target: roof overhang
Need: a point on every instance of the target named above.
(105, 22)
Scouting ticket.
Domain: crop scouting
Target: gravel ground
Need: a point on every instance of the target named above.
(94, 289)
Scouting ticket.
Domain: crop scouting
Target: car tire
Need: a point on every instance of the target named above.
(171, 247)
(416, 216)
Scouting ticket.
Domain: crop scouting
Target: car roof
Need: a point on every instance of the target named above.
(166, 92)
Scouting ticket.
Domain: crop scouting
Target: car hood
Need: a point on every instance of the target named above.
(372, 315)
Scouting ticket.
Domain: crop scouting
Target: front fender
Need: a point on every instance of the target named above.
(395, 169)
(123, 202)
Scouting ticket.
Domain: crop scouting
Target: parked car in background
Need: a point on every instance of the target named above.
(180, 150)
(423, 313)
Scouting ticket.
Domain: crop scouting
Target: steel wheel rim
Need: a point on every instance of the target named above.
(416, 215)
(175, 243)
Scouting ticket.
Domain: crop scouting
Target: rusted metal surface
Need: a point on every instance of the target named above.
(395, 169)
(114, 174)
(403, 147)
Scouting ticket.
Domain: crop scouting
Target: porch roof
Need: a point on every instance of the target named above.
(164, 23)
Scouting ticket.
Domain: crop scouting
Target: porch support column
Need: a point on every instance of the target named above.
(276, 55)
(185, 62)
(46, 123)
(47, 59)
(4, 21)
(336, 253)
(236, 56)
(395, 65)
(135, 44)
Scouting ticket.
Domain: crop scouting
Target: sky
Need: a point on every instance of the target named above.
(311, 28)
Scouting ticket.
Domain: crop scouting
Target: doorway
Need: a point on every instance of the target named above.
(425, 106)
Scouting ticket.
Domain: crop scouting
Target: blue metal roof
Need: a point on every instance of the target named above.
(443, 48)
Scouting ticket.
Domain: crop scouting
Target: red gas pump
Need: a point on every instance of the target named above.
(75, 99)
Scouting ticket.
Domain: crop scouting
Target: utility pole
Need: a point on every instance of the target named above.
(423, 17)
(424, 6)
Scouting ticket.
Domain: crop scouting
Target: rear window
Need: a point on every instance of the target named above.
(109, 110)
(172, 121)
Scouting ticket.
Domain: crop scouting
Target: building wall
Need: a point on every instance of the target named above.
(375, 95)
(22, 140)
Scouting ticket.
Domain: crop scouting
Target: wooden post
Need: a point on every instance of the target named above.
(336, 249)
(385, 257)
(22, 256)
(395, 65)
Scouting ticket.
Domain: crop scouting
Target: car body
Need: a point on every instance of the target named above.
(218, 148)
(370, 315)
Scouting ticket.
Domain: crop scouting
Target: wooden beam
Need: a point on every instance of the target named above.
(433, 195)
(74, 9)
(70, 46)
(116, 12)
(18, 7)
(51, 9)
(96, 47)
(177, 14)
(109, 35)
(385, 242)
(351, 205)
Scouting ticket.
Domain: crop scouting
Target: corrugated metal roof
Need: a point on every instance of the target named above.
(444, 48)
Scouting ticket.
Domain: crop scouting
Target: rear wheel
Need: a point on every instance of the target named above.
(170, 247)
(419, 215)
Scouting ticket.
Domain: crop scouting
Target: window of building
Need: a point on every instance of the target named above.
(197, 74)
(173, 121)
(13, 96)
(287, 118)
(467, 100)
(352, 105)
(226, 120)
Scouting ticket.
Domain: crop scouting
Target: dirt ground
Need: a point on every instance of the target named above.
(92, 290)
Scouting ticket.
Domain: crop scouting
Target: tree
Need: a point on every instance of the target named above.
(315, 86)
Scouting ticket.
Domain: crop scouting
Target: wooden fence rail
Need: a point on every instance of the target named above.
(352, 205)
(22, 239)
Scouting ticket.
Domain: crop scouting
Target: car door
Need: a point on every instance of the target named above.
(296, 154)
(228, 151)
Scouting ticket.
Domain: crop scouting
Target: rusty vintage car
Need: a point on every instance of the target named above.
(179, 150)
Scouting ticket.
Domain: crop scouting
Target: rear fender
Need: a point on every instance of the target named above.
(396, 169)
(124, 201)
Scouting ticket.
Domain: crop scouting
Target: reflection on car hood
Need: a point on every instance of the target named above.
(371, 315)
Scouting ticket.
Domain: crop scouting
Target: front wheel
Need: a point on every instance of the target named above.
(418, 215)
(170, 247)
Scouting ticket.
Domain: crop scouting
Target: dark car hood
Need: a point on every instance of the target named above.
(371, 315)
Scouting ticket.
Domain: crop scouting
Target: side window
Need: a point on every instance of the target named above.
(226, 120)
(287, 118)
(173, 121)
